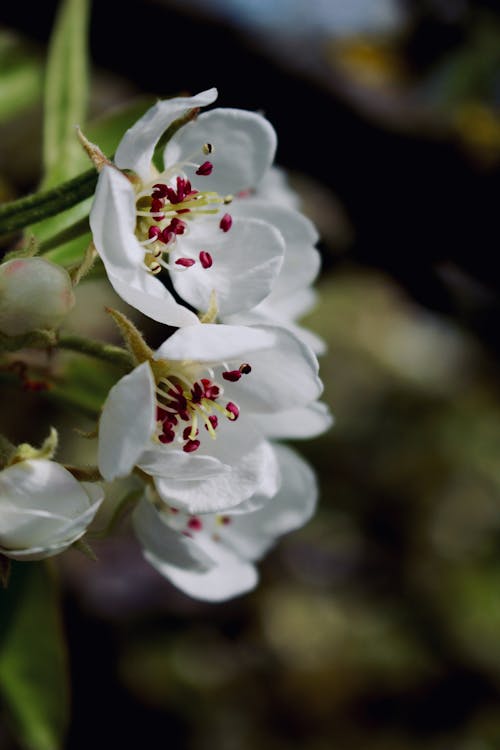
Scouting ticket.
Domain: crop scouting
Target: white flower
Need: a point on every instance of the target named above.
(211, 557)
(34, 293)
(43, 509)
(177, 219)
(191, 417)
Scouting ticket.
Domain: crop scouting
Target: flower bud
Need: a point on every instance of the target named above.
(34, 293)
(43, 509)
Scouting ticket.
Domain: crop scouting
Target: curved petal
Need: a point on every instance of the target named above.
(160, 541)
(251, 534)
(307, 422)
(274, 188)
(214, 343)
(136, 148)
(302, 261)
(244, 146)
(256, 471)
(228, 577)
(284, 375)
(246, 262)
(112, 220)
(166, 461)
(127, 422)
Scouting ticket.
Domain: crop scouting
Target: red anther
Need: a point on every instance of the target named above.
(183, 211)
(154, 233)
(233, 409)
(186, 433)
(172, 195)
(197, 393)
(205, 259)
(226, 222)
(205, 169)
(157, 205)
(185, 262)
(181, 188)
(232, 375)
(166, 236)
(177, 226)
(184, 416)
(195, 523)
(211, 391)
(213, 421)
(167, 437)
(160, 190)
(191, 446)
(245, 368)
(161, 414)
(225, 520)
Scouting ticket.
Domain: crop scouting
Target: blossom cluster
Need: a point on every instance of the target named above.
(210, 243)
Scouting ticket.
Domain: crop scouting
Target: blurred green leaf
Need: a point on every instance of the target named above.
(21, 85)
(33, 667)
(66, 92)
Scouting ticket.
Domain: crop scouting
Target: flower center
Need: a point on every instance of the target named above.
(185, 404)
(160, 206)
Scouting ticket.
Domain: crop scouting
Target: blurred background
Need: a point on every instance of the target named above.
(377, 626)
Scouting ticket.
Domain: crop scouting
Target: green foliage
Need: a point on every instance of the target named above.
(21, 77)
(33, 665)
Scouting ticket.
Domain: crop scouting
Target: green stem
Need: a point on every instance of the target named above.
(106, 352)
(25, 211)
(65, 235)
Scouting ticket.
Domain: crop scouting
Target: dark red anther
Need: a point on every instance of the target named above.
(225, 520)
(157, 205)
(185, 262)
(211, 391)
(213, 421)
(205, 169)
(183, 211)
(191, 446)
(232, 375)
(181, 188)
(195, 523)
(154, 233)
(177, 226)
(186, 433)
(167, 437)
(167, 237)
(197, 393)
(205, 259)
(245, 368)
(161, 414)
(160, 190)
(172, 195)
(226, 222)
(233, 409)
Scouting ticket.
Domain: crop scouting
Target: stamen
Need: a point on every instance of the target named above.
(232, 409)
(245, 368)
(185, 262)
(226, 222)
(195, 523)
(154, 232)
(191, 446)
(207, 148)
(205, 169)
(205, 259)
(232, 375)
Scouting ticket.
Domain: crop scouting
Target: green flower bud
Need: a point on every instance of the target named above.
(34, 293)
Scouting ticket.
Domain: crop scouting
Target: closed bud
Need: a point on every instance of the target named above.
(34, 293)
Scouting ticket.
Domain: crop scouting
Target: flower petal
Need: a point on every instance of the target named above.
(136, 148)
(307, 422)
(246, 264)
(166, 461)
(256, 471)
(112, 220)
(214, 343)
(130, 402)
(244, 146)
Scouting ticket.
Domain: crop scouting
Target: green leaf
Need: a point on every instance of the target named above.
(66, 92)
(33, 664)
(21, 87)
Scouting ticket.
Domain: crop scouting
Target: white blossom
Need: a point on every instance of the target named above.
(211, 557)
(192, 416)
(43, 509)
(179, 219)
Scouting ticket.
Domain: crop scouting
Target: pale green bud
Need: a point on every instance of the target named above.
(34, 293)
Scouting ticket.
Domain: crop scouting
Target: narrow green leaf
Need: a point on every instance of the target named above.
(33, 666)
(21, 86)
(66, 92)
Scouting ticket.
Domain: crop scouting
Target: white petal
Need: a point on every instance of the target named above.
(214, 343)
(307, 422)
(244, 146)
(127, 422)
(229, 577)
(112, 220)
(172, 462)
(160, 541)
(275, 189)
(251, 534)
(256, 471)
(302, 260)
(284, 375)
(148, 295)
(137, 146)
(246, 262)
